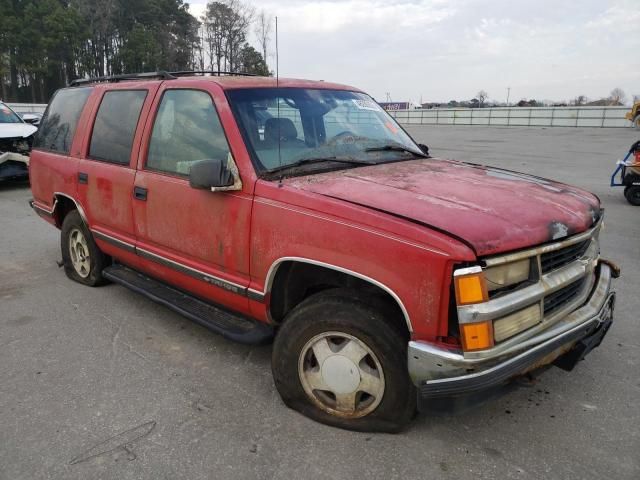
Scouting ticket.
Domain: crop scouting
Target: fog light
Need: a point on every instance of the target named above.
(520, 321)
(476, 336)
(470, 286)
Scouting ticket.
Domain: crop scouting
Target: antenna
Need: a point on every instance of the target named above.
(277, 69)
(277, 96)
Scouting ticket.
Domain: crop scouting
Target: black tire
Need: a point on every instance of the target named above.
(369, 321)
(73, 225)
(632, 194)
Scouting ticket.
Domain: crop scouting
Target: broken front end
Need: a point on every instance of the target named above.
(14, 157)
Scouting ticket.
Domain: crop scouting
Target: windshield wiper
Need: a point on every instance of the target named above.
(395, 148)
(311, 161)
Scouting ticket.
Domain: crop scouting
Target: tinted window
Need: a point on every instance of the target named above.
(115, 125)
(59, 123)
(186, 129)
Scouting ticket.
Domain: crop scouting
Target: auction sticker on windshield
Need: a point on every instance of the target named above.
(364, 104)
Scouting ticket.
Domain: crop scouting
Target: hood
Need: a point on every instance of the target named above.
(490, 209)
(12, 130)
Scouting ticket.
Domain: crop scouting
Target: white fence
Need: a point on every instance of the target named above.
(499, 116)
(517, 116)
(28, 107)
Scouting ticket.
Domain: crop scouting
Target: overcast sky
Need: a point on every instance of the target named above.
(441, 50)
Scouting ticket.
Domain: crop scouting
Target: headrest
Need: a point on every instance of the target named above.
(276, 129)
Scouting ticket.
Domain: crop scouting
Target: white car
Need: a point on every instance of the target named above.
(16, 138)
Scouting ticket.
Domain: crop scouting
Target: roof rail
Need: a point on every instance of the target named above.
(127, 76)
(161, 75)
(215, 73)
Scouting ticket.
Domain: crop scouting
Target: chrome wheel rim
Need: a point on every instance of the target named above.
(341, 374)
(79, 253)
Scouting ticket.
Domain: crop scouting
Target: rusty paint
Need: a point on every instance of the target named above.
(492, 209)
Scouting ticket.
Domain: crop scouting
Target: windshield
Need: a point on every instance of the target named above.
(7, 115)
(287, 126)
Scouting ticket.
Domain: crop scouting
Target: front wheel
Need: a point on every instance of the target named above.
(340, 360)
(632, 194)
(82, 259)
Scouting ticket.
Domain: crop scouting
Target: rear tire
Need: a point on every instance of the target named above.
(81, 258)
(636, 122)
(632, 194)
(340, 360)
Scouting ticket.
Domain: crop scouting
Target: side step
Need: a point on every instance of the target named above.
(230, 325)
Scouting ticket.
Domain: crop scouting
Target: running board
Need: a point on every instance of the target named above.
(230, 325)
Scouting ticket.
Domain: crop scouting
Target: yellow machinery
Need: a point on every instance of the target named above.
(634, 114)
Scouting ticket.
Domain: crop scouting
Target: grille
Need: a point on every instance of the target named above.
(559, 298)
(556, 259)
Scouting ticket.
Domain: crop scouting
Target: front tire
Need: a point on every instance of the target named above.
(339, 359)
(632, 194)
(82, 259)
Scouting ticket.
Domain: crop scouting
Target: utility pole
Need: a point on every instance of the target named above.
(508, 93)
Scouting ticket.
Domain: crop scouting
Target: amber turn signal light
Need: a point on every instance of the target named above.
(470, 286)
(476, 336)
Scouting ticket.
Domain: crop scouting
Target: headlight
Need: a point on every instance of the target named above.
(508, 274)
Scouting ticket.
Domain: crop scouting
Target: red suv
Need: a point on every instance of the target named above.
(302, 211)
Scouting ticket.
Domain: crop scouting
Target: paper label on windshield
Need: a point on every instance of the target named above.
(366, 104)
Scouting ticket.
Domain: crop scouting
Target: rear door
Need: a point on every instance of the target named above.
(107, 168)
(53, 161)
(195, 239)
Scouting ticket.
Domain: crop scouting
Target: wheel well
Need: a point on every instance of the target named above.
(64, 205)
(294, 281)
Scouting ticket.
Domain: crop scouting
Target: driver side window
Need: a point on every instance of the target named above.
(186, 129)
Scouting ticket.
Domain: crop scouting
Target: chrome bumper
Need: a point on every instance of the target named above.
(438, 372)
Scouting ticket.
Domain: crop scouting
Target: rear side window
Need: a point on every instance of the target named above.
(59, 123)
(115, 125)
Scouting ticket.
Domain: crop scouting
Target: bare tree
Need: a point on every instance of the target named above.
(580, 100)
(482, 96)
(262, 30)
(617, 96)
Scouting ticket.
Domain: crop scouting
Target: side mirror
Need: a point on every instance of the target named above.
(424, 148)
(209, 174)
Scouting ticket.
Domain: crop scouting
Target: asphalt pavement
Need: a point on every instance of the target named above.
(102, 383)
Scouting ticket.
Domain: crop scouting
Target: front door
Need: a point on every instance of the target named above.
(195, 239)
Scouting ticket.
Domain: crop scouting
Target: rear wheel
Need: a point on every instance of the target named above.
(82, 259)
(636, 121)
(340, 360)
(632, 194)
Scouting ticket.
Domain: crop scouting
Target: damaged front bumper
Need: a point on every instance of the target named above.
(13, 165)
(438, 372)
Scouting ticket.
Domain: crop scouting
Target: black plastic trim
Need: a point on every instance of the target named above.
(251, 332)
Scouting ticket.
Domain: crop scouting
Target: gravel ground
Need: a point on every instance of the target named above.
(102, 383)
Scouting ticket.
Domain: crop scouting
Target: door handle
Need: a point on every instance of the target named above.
(83, 177)
(139, 193)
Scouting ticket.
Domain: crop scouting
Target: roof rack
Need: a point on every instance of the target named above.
(161, 75)
(127, 76)
(214, 73)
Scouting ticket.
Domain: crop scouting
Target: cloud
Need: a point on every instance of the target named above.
(440, 50)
